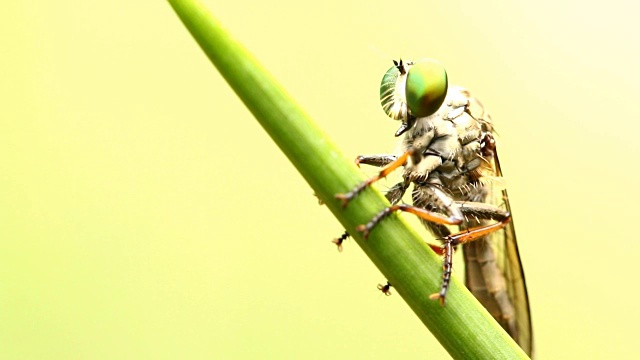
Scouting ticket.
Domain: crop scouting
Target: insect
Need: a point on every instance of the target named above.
(339, 240)
(449, 156)
(386, 289)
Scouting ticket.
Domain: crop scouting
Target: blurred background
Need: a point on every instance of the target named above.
(145, 214)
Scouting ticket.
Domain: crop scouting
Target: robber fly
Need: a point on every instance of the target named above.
(449, 156)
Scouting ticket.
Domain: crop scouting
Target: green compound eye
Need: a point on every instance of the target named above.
(426, 87)
(390, 99)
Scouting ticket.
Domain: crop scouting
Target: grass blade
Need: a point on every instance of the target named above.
(463, 327)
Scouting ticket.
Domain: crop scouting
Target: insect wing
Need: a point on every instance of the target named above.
(511, 265)
(493, 270)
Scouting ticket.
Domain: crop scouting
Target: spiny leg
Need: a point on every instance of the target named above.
(393, 195)
(447, 268)
(423, 197)
(386, 170)
(481, 211)
(396, 192)
(429, 194)
(375, 160)
(425, 194)
(420, 212)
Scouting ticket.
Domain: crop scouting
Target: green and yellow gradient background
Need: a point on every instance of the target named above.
(145, 215)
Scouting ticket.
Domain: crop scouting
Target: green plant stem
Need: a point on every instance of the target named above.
(463, 326)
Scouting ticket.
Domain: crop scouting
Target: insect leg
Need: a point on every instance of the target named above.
(422, 195)
(375, 160)
(393, 195)
(420, 212)
(480, 211)
(386, 170)
(500, 288)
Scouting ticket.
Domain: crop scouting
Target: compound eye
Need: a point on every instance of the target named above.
(389, 95)
(426, 87)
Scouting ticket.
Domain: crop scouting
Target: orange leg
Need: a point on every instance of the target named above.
(420, 212)
(463, 237)
(393, 195)
(455, 213)
(475, 233)
(427, 195)
(388, 169)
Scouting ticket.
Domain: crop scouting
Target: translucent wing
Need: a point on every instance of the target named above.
(492, 265)
(511, 265)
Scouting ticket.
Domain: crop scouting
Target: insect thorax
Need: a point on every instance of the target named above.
(449, 147)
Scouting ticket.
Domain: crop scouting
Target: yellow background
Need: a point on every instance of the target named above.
(144, 214)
